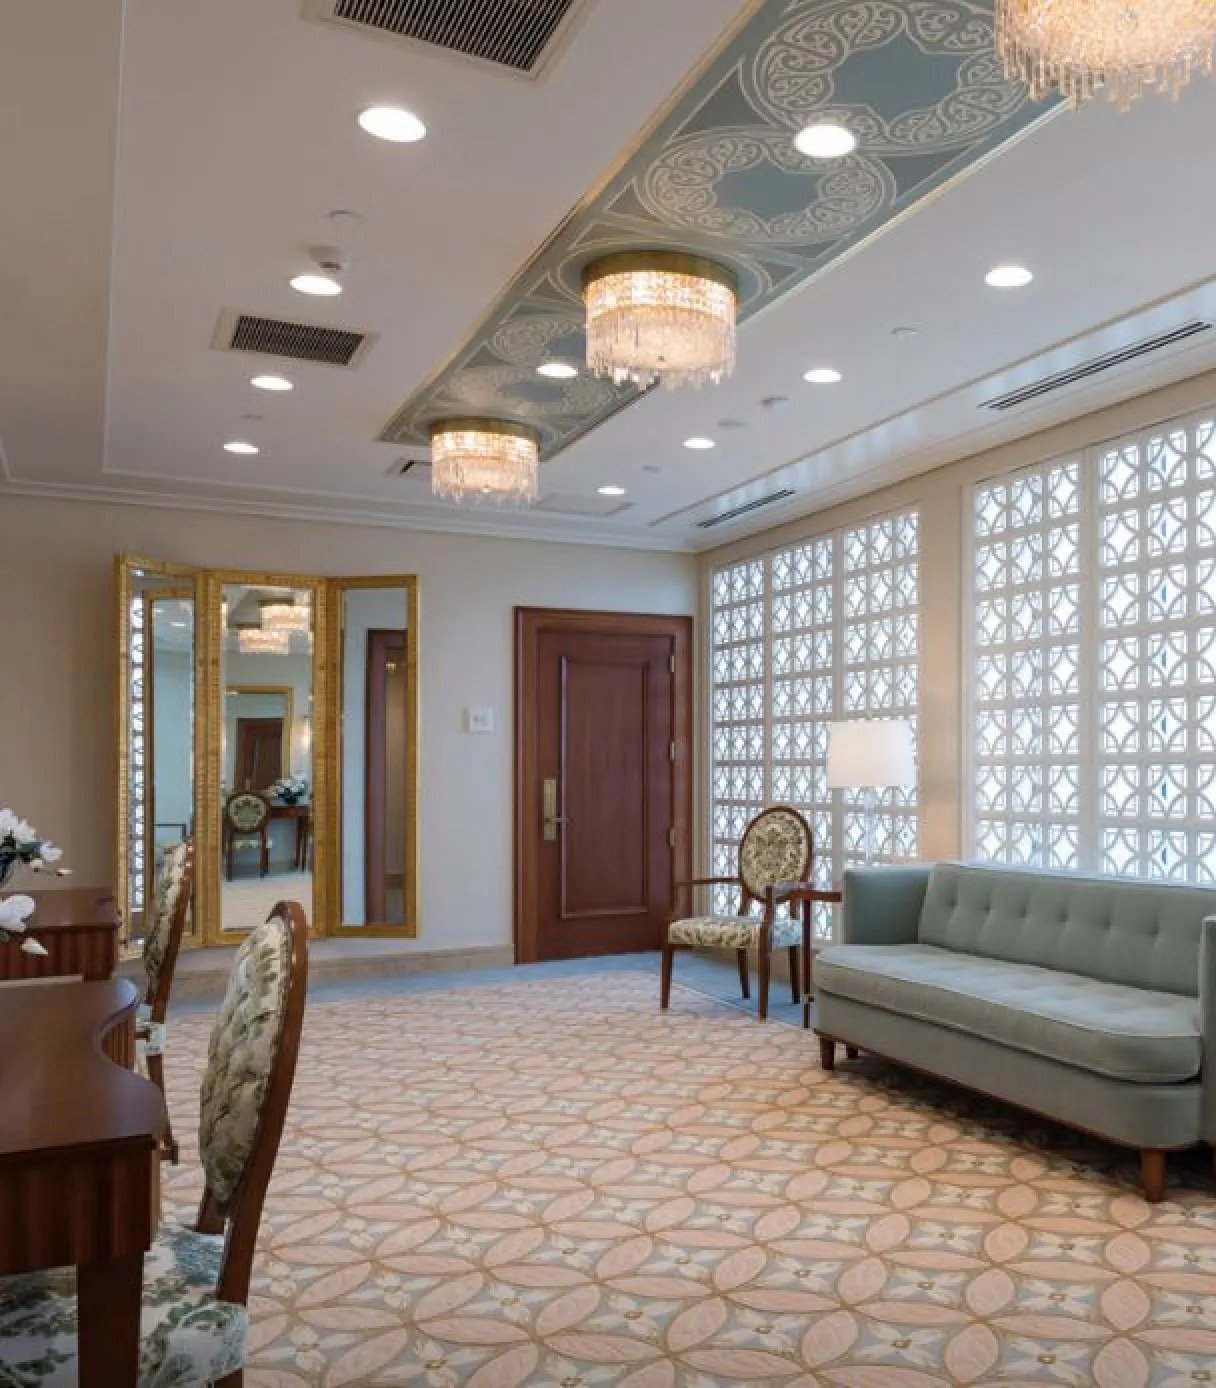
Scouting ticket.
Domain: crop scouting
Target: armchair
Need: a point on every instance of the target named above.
(775, 857)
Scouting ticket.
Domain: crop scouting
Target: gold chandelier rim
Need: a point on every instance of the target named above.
(660, 262)
(500, 428)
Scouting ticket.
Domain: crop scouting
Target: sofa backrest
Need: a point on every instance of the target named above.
(1143, 934)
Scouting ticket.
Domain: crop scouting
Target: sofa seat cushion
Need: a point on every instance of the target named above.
(1125, 1033)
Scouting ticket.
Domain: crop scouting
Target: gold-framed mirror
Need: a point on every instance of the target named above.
(297, 692)
(374, 824)
(159, 754)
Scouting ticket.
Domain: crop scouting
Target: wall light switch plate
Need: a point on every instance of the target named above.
(479, 720)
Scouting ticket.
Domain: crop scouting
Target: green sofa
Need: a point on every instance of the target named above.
(1089, 1000)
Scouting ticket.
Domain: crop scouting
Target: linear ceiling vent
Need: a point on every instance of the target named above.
(1105, 362)
(747, 506)
(515, 34)
(404, 467)
(279, 337)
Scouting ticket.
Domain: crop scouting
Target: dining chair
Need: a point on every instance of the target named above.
(246, 816)
(775, 856)
(174, 886)
(196, 1280)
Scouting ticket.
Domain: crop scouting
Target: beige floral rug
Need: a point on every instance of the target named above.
(549, 1183)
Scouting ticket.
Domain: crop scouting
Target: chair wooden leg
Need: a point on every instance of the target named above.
(852, 1052)
(765, 963)
(1152, 1174)
(665, 983)
(265, 854)
(795, 990)
(827, 1053)
(234, 1380)
(156, 1073)
(745, 978)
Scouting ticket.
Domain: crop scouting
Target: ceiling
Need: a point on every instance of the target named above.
(170, 165)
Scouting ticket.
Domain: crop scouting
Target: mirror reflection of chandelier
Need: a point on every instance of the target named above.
(263, 641)
(1120, 47)
(286, 613)
(660, 316)
(484, 460)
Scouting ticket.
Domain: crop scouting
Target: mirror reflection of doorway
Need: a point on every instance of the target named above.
(384, 786)
(259, 752)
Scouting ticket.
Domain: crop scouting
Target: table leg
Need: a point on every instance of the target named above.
(806, 965)
(109, 1299)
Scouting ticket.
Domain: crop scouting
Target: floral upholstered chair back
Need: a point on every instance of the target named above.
(245, 1042)
(247, 811)
(171, 897)
(776, 847)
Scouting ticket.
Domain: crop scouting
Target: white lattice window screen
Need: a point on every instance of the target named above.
(737, 695)
(1156, 634)
(137, 751)
(1094, 660)
(880, 669)
(1026, 678)
(822, 630)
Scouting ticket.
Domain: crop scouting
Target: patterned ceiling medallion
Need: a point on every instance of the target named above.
(484, 460)
(660, 316)
(1124, 47)
(718, 175)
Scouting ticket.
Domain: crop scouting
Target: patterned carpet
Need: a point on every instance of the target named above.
(551, 1184)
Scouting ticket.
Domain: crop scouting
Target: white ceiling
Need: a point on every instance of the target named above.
(151, 183)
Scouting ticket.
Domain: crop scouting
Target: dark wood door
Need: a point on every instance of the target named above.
(602, 781)
(259, 752)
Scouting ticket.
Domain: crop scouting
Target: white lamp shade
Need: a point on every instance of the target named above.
(871, 752)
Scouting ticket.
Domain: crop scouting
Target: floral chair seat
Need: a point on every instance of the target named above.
(149, 1035)
(188, 1338)
(732, 932)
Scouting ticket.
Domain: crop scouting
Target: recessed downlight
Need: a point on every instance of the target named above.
(325, 286)
(697, 443)
(271, 383)
(611, 490)
(823, 376)
(825, 140)
(1008, 277)
(392, 123)
(246, 450)
(557, 370)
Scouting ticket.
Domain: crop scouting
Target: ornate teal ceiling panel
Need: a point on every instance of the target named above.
(917, 81)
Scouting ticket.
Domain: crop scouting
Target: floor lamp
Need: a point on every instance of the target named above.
(868, 753)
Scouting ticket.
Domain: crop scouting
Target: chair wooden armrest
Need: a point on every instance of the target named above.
(832, 896)
(707, 882)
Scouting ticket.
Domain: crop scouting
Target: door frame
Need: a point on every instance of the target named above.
(531, 623)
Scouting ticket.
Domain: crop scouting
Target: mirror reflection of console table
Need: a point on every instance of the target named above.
(78, 928)
(302, 815)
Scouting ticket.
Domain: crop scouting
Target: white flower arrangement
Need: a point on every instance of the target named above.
(21, 845)
(289, 789)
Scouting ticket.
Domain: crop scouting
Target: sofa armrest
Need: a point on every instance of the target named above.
(882, 905)
(1207, 1026)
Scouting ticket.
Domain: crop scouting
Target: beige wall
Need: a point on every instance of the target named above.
(942, 496)
(57, 754)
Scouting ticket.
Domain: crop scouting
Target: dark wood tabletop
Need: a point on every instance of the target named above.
(76, 1121)
(78, 927)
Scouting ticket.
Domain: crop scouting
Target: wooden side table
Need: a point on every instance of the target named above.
(808, 896)
(80, 930)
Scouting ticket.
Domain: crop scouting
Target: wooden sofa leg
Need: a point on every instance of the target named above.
(827, 1053)
(1152, 1174)
(665, 984)
(745, 979)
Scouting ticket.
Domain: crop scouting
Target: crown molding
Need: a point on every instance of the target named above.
(474, 526)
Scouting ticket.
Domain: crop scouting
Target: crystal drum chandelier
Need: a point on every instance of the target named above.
(660, 316)
(484, 460)
(1121, 47)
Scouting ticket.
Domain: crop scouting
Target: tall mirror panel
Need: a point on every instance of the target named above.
(157, 637)
(266, 655)
(376, 810)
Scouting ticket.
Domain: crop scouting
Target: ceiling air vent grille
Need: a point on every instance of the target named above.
(512, 33)
(1095, 367)
(742, 510)
(278, 337)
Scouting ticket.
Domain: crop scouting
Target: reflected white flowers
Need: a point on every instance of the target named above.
(14, 911)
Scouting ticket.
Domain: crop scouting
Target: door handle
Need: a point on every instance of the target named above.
(550, 818)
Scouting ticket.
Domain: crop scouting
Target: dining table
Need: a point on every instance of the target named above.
(80, 1139)
(80, 929)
